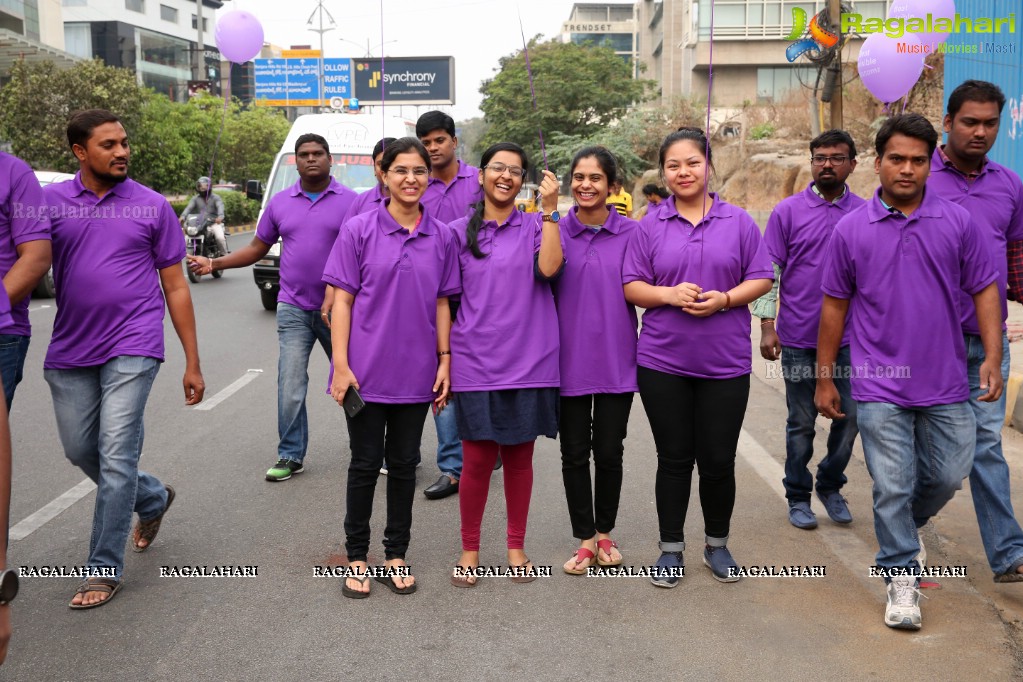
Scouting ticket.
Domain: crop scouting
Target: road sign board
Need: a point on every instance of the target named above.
(296, 81)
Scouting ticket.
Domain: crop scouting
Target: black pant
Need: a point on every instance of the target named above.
(395, 431)
(595, 422)
(694, 421)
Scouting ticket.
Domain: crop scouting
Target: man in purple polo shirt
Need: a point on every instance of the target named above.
(24, 259)
(993, 195)
(307, 217)
(454, 185)
(115, 244)
(897, 266)
(797, 237)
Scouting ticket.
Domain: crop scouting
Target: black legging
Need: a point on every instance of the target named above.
(694, 421)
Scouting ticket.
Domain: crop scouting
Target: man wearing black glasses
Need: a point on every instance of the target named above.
(797, 237)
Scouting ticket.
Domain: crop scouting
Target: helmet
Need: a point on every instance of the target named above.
(202, 181)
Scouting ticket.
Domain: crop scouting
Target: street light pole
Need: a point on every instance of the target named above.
(321, 9)
(199, 63)
(835, 13)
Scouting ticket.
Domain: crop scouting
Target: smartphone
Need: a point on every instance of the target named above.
(352, 402)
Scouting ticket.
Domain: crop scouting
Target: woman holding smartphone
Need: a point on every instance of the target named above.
(392, 269)
(504, 345)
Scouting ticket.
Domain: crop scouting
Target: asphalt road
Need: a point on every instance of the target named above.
(286, 624)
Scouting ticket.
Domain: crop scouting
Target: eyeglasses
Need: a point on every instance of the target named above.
(499, 168)
(418, 171)
(835, 160)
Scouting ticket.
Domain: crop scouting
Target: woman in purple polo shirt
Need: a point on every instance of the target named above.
(695, 264)
(504, 346)
(392, 269)
(598, 359)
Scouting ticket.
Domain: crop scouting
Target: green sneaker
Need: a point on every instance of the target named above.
(283, 470)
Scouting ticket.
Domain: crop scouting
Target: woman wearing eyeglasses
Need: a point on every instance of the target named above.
(694, 265)
(598, 359)
(504, 346)
(392, 269)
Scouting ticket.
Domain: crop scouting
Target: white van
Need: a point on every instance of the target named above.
(351, 138)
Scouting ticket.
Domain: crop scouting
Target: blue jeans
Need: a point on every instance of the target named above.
(799, 367)
(13, 349)
(449, 446)
(989, 480)
(918, 458)
(99, 414)
(297, 331)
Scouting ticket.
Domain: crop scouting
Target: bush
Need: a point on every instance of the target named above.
(762, 131)
(238, 208)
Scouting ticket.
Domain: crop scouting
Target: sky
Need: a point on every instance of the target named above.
(475, 32)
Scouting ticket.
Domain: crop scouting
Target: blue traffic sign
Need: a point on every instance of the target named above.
(296, 81)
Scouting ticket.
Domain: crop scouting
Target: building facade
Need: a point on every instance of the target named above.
(604, 24)
(32, 30)
(156, 39)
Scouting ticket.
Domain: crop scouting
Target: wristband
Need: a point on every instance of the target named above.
(728, 301)
(443, 352)
(766, 321)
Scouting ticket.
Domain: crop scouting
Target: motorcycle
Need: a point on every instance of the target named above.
(199, 241)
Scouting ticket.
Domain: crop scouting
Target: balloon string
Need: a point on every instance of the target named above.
(706, 151)
(216, 145)
(383, 81)
(532, 90)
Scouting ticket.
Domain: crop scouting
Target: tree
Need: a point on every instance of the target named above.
(251, 142)
(37, 102)
(579, 90)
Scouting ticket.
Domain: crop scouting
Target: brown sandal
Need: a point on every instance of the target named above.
(96, 584)
(462, 577)
(147, 530)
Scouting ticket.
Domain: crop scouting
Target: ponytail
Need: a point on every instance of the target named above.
(472, 230)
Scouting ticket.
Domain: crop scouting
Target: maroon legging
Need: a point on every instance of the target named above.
(479, 458)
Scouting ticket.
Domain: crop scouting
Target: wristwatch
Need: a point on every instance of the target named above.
(552, 217)
(8, 586)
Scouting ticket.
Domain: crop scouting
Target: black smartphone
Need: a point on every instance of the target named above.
(352, 402)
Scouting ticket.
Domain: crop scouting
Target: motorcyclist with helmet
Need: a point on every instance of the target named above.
(207, 204)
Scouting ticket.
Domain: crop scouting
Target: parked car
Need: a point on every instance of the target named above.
(45, 288)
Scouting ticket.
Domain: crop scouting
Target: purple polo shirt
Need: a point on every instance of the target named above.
(23, 218)
(994, 201)
(308, 230)
(506, 332)
(448, 203)
(598, 326)
(396, 278)
(107, 254)
(369, 200)
(797, 238)
(725, 250)
(903, 278)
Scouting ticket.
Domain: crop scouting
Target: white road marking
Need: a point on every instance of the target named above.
(843, 543)
(230, 390)
(42, 307)
(34, 522)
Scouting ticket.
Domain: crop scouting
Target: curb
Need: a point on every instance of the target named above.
(235, 229)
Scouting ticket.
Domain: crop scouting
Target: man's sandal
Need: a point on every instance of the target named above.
(96, 584)
(581, 555)
(147, 530)
(606, 545)
(351, 593)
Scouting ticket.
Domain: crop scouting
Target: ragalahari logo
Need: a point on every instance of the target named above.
(816, 37)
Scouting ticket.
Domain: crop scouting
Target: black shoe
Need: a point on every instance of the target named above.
(498, 464)
(444, 487)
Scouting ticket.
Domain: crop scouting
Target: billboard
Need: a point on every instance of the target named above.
(405, 80)
(295, 81)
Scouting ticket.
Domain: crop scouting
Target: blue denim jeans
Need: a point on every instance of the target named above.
(799, 367)
(13, 350)
(297, 332)
(989, 480)
(918, 458)
(99, 414)
(449, 445)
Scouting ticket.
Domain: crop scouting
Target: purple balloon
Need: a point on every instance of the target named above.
(890, 67)
(239, 36)
(919, 9)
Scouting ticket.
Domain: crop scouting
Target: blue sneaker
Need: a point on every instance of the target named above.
(668, 570)
(720, 562)
(801, 516)
(838, 510)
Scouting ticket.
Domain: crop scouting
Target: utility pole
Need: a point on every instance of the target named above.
(199, 62)
(321, 10)
(835, 13)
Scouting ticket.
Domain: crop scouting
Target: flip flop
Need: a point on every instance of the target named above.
(349, 592)
(526, 568)
(582, 554)
(462, 579)
(97, 584)
(606, 545)
(147, 530)
(386, 580)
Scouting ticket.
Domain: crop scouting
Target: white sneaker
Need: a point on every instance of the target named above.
(903, 610)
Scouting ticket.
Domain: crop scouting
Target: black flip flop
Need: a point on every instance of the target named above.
(386, 580)
(349, 592)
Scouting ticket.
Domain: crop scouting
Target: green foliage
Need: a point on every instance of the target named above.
(238, 208)
(37, 101)
(762, 131)
(252, 139)
(179, 205)
(579, 91)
